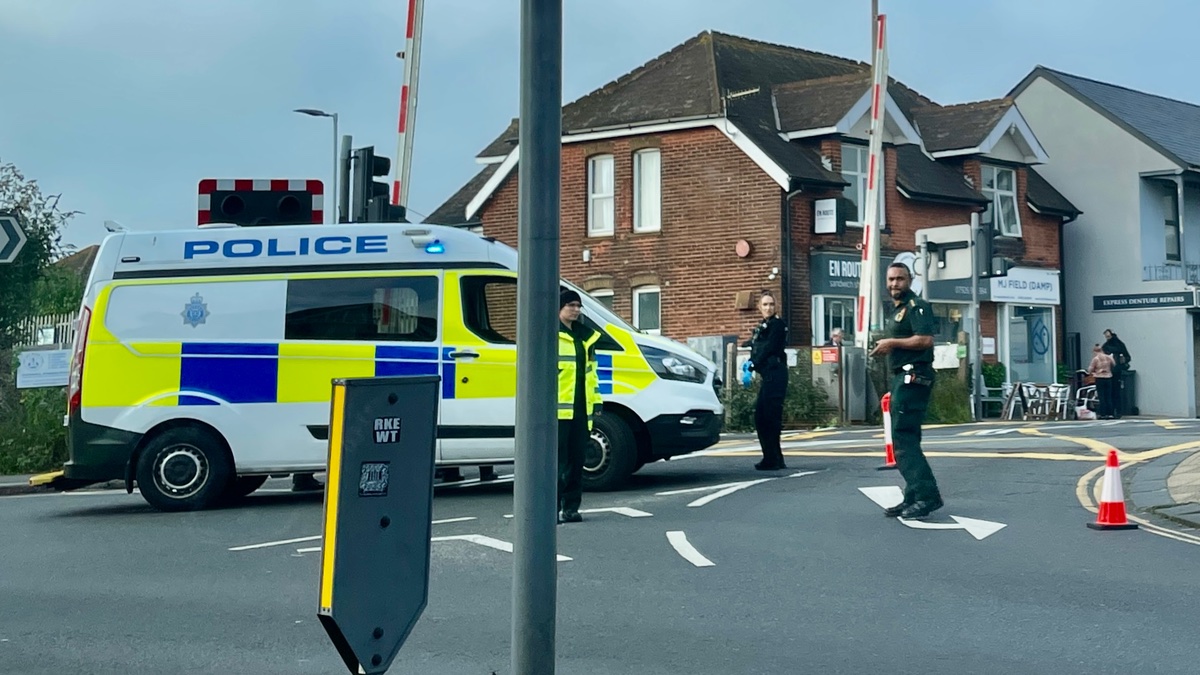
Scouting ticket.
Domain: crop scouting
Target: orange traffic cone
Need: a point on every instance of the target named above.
(889, 449)
(1112, 499)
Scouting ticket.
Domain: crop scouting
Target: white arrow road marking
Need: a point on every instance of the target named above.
(498, 544)
(888, 496)
(482, 540)
(684, 548)
(623, 510)
(726, 488)
(284, 542)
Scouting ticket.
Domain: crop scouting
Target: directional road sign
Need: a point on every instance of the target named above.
(12, 236)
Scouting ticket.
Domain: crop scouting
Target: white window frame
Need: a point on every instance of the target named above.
(637, 293)
(997, 195)
(604, 165)
(1171, 229)
(857, 177)
(647, 191)
(605, 293)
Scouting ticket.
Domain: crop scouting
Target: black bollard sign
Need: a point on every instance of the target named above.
(378, 515)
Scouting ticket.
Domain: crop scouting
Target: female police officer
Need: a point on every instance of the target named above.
(768, 359)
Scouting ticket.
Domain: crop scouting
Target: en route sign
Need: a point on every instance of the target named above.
(12, 236)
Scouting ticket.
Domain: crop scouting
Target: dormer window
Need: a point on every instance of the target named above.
(854, 171)
(1000, 186)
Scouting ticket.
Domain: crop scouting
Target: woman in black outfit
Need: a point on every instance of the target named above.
(769, 360)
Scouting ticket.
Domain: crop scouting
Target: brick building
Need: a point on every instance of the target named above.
(690, 185)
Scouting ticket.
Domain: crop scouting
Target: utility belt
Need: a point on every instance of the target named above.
(920, 373)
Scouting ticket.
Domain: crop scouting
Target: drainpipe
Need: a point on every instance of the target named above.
(785, 255)
(1183, 257)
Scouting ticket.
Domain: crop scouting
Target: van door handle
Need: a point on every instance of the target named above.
(463, 355)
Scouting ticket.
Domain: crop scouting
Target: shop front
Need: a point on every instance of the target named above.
(1027, 319)
(834, 285)
(1026, 304)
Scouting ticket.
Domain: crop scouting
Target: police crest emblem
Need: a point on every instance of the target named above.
(195, 311)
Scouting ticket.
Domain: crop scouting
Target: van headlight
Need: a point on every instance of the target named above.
(673, 366)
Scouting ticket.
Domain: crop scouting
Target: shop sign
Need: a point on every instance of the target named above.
(1107, 303)
(1026, 285)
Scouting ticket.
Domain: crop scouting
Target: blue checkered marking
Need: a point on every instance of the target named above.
(232, 372)
(604, 372)
(403, 360)
(447, 373)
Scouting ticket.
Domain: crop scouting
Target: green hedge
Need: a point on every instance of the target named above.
(806, 404)
(32, 436)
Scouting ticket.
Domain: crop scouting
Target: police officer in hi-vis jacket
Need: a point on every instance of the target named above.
(909, 346)
(578, 400)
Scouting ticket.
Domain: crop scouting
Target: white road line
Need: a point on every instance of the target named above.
(282, 542)
(684, 548)
(314, 549)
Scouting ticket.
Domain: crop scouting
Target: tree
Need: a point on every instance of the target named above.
(24, 280)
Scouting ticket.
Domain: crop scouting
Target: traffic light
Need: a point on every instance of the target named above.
(255, 201)
(991, 262)
(370, 197)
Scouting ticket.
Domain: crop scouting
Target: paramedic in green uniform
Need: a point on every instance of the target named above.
(909, 346)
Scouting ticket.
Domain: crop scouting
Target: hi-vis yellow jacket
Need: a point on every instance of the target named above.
(567, 372)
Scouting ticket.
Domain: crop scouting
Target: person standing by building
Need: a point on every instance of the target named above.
(578, 400)
(769, 360)
(909, 347)
(835, 338)
(1101, 370)
(1114, 347)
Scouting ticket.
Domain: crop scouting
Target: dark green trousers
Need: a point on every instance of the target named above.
(909, 403)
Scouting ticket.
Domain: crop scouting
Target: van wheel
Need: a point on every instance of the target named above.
(184, 469)
(610, 458)
(243, 486)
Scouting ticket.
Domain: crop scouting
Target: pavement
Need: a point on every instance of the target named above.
(1169, 487)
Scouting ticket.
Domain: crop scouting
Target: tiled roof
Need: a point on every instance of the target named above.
(961, 126)
(1043, 197)
(820, 103)
(504, 143)
(763, 89)
(80, 262)
(454, 210)
(1171, 126)
(923, 178)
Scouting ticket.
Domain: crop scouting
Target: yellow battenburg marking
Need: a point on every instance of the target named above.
(332, 481)
(128, 375)
(306, 369)
(492, 375)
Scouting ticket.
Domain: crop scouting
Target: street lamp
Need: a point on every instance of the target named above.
(331, 206)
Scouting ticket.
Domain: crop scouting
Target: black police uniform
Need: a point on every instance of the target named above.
(769, 360)
(912, 383)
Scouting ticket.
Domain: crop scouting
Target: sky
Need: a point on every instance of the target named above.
(123, 106)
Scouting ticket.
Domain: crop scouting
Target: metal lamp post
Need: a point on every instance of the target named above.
(312, 112)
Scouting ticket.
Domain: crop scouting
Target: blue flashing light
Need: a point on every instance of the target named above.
(435, 247)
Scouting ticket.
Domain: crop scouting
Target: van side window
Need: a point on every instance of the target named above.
(376, 309)
(489, 305)
(490, 311)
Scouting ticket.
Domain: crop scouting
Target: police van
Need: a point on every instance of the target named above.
(204, 357)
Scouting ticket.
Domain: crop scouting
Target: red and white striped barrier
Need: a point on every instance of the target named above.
(889, 449)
